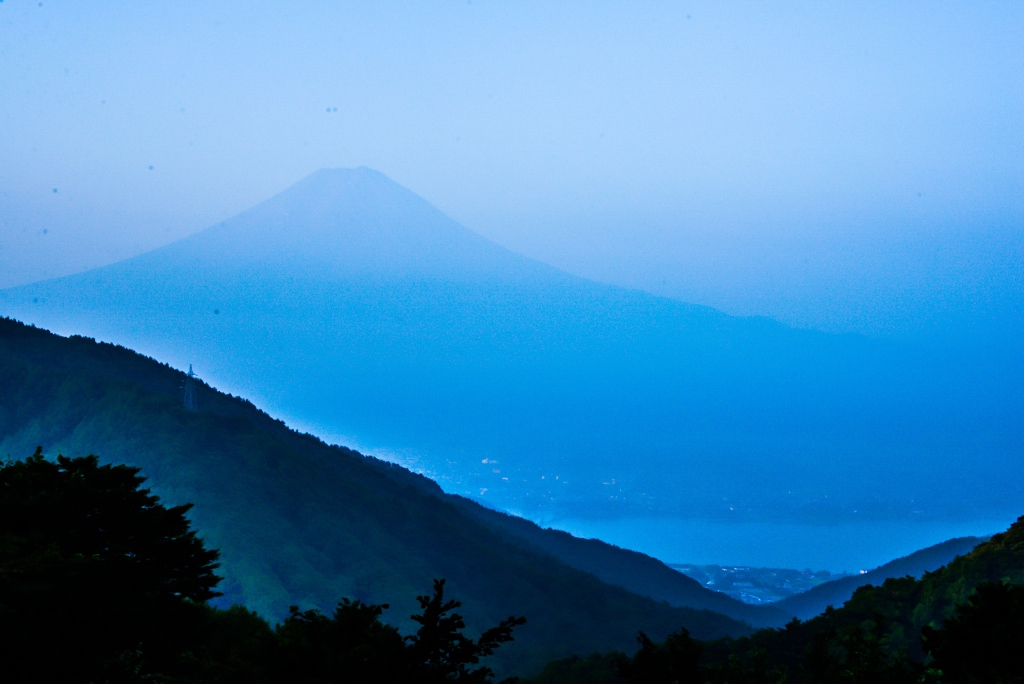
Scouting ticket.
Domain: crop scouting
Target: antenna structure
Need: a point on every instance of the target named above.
(190, 390)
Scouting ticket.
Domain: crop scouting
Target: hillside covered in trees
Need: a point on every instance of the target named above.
(102, 582)
(837, 592)
(298, 522)
(963, 623)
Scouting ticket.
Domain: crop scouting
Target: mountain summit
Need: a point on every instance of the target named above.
(352, 307)
(351, 222)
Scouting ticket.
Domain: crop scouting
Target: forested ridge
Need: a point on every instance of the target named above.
(101, 582)
(301, 523)
(837, 592)
(963, 623)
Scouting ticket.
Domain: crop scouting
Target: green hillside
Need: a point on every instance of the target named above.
(961, 623)
(837, 592)
(635, 571)
(890, 617)
(301, 522)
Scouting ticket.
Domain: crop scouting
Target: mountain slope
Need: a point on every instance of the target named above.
(838, 592)
(300, 522)
(350, 306)
(880, 635)
(639, 573)
(634, 571)
(904, 604)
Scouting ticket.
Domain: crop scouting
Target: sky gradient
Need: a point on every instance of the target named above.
(849, 167)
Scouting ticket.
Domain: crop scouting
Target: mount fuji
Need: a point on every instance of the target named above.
(352, 308)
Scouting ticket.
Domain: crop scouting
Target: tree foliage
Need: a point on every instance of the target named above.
(983, 642)
(92, 567)
(355, 645)
(100, 582)
(962, 624)
(673, 662)
(441, 649)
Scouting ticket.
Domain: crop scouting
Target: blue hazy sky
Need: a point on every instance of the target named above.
(849, 166)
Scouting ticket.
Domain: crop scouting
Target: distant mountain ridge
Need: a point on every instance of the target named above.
(352, 307)
(838, 592)
(961, 622)
(902, 606)
(632, 570)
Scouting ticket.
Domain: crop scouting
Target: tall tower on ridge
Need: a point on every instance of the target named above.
(190, 390)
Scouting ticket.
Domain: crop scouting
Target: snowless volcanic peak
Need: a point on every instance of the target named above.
(345, 222)
(349, 305)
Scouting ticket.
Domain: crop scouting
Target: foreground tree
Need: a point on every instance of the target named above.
(858, 654)
(983, 641)
(441, 652)
(352, 646)
(100, 582)
(356, 647)
(96, 576)
(676, 661)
